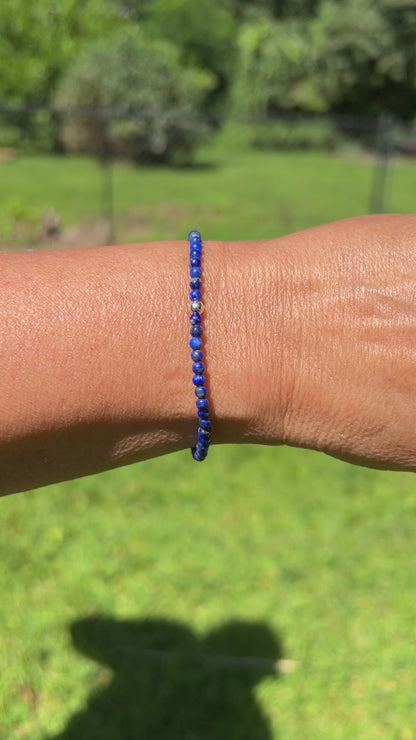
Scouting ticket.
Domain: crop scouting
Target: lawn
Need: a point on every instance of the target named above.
(161, 601)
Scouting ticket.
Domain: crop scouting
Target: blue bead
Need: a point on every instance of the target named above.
(196, 355)
(203, 414)
(195, 295)
(195, 283)
(202, 447)
(201, 450)
(200, 392)
(195, 318)
(194, 235)
(202, 403)
(203, 434)
(198, 456)
(198, 367)
(205, 423)
(195, 272)
(196, 330)
(195, 343)
(195, 254)
(195, 262)
(198, 380)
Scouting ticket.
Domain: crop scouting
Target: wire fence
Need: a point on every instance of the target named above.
(37, 129)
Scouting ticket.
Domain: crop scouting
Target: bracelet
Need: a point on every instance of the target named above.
(200, 451)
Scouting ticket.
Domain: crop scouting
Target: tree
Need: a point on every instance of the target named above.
(153, 100)
(204, 32)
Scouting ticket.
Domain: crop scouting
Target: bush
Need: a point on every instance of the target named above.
(151, 98)
(296, 135)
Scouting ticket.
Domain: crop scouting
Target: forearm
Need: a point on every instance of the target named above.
(95, 361)
(309, 340)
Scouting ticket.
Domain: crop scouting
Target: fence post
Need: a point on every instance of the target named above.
(380, 189)
(107, 198)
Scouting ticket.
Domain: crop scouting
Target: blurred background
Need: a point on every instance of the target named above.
(271, 592)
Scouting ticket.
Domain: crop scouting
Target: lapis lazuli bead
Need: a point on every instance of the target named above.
(195, 256)
(194, 234)
(203, 414)
(198, 367)
(196, 330)
(195, 343)
(202, 403)
(195, 318)
(205, 423)
(204, 433)
(200, 392)
(195, 295)
(195, 272)
(196, 355)
(195, 283)
(198, 380)
(195, 262)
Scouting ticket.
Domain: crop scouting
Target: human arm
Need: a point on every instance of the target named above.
(310, 340)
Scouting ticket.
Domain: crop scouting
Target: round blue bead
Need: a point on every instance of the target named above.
(195, 254)
(200, 392)
(194, 235)
(195, 295)
(202, 403)
(203, 414)
(196, 355)
(195, 272)
(195, 262)
(196, 330)
(195, 318)
(195, 343)
(202, 447)
(195, 283)
(198, 380)
(205, 423)
(204, 433)
(199, 456)
(198, 367)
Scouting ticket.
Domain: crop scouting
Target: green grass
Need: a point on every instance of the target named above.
(233, 194)
(264, 552)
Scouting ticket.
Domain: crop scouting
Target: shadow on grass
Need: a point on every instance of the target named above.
(169, 684)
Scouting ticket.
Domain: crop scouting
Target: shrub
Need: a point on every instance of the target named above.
(152, 101)
(296, 134)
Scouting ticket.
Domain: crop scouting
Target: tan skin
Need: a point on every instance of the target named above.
(310, 340)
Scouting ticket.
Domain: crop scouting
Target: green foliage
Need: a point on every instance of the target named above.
(38, 40)
(275, 69)
(287, 135)
(357, 56)
(155, 100)
(204, 33)
(20, 221)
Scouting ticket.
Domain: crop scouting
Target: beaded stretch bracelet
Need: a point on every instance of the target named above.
(200, 451)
